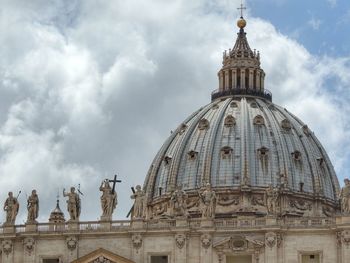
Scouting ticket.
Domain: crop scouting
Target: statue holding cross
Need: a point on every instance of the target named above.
(109, 198)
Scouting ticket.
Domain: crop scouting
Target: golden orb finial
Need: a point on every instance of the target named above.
(241, 23)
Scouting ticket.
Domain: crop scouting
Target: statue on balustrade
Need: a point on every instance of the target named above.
(178, 203)
(271, 197)
(108, 200)
(33, 207)
(208, 201)
(11, 207)
(73, 204)
(139, 204)
(345, 197)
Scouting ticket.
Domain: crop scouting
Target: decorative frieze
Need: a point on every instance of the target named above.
(29, 244)
(7, 246)
(180, 240)
(72, 243)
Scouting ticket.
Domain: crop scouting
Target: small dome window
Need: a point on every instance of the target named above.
(226, 152)
(234, 104)
(182, 128)
(229, 121)
(286, 125)
(192, 155)
(263, 152)
(271, 107)
(253, 105)
(259, 120)
(203, 124)
(167, 160)
(296, 155)
(215, 107)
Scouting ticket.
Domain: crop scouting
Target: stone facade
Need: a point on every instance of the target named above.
(263, 240)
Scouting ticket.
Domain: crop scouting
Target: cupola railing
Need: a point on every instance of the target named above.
(265, 94)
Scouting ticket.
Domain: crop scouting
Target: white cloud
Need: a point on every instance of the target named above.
(91, 89)
(314, 23)
(333, 3)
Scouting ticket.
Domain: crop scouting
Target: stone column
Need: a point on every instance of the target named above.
(7, 251)
(262, 81)
(221, 80)
(180, 241)
(271, 251)
(137, 247)
(343, 240)
(72, 248)
(206, 251)
(227, 80)
(242, 78)
(29, 250)
(258, 80)
(234, 79)
(251, 78)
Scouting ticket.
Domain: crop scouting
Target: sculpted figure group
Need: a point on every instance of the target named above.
(177, 204)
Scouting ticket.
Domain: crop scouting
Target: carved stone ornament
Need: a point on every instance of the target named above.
(29, 244)
(270, 239)
(343, 238)
(180, 240)
(72, 243)
(7, 247)
(101, 259)
(136, 241)
(206, 240)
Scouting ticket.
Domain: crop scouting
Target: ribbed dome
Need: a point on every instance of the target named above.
(248, 149)
(243, 141)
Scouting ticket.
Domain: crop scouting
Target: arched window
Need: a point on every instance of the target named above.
(286, 125)
(229, 121)
(203, 124)
(226, 152)
(296, 155)
(259, 120)
(192, 155)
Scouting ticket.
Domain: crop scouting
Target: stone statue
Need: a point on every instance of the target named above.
(139, 197)
(73, 204)
(178, 202)
(33, 207)
(11, 207)
(108, 200)
(271, 197)
(345, 197)
(208, 200)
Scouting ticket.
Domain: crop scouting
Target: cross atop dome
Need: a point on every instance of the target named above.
(241, 74)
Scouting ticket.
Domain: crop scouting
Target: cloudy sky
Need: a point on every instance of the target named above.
(92, 88)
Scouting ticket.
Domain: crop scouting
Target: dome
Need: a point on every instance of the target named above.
(244, 145)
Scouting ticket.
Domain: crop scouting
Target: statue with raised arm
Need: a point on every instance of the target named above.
(11, 207)
(33, 207)
(108, 200)
(139, 197)
(73, 204)
(345, 197)
(208, 200)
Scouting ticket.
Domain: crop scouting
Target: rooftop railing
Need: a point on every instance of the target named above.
(265, 94)
(166, 224)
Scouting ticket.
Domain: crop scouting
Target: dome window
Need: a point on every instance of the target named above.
(226, 152)
(192, 155)
(234, 104)
(263, 152)
(259, 120)
(167, 160)
(182, 128)
(203, 124)
(229, 121)
(296, 155)
(253, 105)
(215, 107)
(286, 125)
